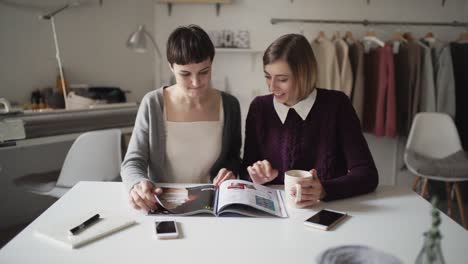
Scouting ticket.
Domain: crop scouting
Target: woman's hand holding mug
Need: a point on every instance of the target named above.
(302, 188)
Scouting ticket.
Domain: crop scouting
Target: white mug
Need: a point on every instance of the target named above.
(291, 178)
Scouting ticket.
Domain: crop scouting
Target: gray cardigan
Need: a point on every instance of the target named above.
(146, 153)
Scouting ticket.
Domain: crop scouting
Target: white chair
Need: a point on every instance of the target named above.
(434, 152)
(94, 156)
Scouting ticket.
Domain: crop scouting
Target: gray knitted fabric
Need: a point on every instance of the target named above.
(454, 165)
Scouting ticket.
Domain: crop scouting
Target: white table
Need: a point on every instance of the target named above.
(391, 219)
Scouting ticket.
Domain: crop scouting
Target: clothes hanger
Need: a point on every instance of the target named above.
(398, 37)
(349, 37)
(429, 37)
(408, 36)
(320, 36)
(463, 37)
(395, 41)
(370, 33)
(336, 35)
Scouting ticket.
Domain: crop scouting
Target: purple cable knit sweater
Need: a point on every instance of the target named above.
(329, 140)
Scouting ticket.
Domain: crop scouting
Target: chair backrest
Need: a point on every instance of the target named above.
(94, 156)
(433, 135)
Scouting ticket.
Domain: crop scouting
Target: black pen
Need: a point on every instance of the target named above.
(84, 225)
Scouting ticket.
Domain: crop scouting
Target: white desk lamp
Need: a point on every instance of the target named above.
(137, 43)
(50, 16)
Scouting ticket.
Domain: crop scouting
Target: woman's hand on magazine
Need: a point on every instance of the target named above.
(261, 172)
(311, 190)
(223, 175)
(142, 196)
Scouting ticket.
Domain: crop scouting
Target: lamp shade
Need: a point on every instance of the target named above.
(137, 40)
(137, 43)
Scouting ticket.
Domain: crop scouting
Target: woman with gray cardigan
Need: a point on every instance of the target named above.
(185, 133)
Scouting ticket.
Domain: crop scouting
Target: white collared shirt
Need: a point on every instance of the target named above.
(302, 108)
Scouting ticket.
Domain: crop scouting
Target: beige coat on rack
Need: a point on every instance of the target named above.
(344, 66)
(327, 65)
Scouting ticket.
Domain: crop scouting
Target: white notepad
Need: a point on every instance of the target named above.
(107, 224)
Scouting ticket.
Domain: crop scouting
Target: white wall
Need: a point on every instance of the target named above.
(245, 79)
(92, 43)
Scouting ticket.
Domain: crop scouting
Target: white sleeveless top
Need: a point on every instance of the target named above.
(192, 148)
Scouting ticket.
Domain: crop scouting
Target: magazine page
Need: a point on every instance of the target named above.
(243, 197)
(186, 201)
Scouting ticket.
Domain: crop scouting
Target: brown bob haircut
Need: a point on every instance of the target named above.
(297, 52)
(189, 44)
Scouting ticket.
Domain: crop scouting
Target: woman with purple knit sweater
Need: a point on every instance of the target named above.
(300, 126)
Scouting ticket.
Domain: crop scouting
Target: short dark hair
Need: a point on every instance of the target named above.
(189, 44)
(297, 52)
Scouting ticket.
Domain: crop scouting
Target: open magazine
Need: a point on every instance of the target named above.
(232, 196)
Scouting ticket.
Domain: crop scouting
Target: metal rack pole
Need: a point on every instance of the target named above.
(366, 22)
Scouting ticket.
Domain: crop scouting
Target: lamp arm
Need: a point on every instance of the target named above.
(66, 6)
(159, 55)
(53, 13)
(59, 61)
(154, 44)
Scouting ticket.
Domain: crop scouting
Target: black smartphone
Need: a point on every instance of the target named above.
(325, 219)
(166, 229)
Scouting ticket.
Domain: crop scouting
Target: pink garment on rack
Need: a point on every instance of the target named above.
(379, 98)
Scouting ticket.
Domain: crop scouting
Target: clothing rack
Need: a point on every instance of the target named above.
(368, 2)
(366, 22)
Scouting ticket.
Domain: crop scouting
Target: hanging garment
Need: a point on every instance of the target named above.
(380, 105)
(344, 66)
(407, 79)
(402, 89)
(327, 65)
(444, 79)
(356, 58)
(414, 57)
(460, 66)
(427, 101)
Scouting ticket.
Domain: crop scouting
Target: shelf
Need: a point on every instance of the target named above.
(253, 54)
(237, 50)
(195, 1)
(217, 3)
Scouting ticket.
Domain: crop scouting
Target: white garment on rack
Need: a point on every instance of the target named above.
(427, 101)
(444, 78)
